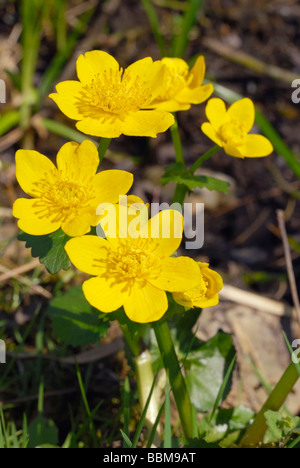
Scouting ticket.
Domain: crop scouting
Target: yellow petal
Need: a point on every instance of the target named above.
(93, 63)
(256, 146)
(243, 112)
(195, 95)
(216, 112)
(79, 223)
(232, 150)
(211, 133)
(108, 185)
(147, 123)
(148, 74)
(68, 98)
(186, 301)
(171, 105)
(78, 162)
(213, 279)
(165, 230)
(104, 294)
(108, 126)
(177, 274)
(31, 167)
(197, 73)
(34, 217)
(145, 304)
(88, 253)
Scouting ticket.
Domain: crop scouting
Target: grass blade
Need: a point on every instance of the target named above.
(181, 40)
(126, 409)
(154, 23)
(168, 430)
(222, 388)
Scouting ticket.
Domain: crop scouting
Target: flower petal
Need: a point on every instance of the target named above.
(145, 304)
(197, 73)
(103, 294)
(256, 146)
(147, 123)
(243, 112)
(78, 162)
(165, 230)
(195, 95)
(170, 105)
(93, 63)
(216, 112)
(150, 74)
(79, 223)
(31, 167)
(232, 150)
(211, 133)
(106, 126)
(34, 217)
(68, 98)
(108, 185)
(177, 274)
(88, 253)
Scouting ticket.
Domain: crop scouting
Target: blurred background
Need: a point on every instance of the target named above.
(251, 48)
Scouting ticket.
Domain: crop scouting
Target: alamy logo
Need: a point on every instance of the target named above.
(296, 93)
(2, 92)
(2, 352)
(296, 353)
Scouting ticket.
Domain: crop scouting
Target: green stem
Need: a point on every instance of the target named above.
(204, 158)
(102, 147)
(177, 143)
(171, 364)
(256, 431)
(181, 190)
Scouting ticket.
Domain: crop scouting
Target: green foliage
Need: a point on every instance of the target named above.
(50, 249)
(281, 428)
(207, 364)
(226, 425)
(42, 431)
(177, 173)
(75, 322)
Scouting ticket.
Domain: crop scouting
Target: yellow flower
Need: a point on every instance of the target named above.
(182, 87)
(135, 272)
(108, 101)
(206, 293)
(67, 196)
(230, 129)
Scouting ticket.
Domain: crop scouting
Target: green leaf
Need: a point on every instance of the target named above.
(42, 431)
(192, 443)
(49, 248)
(280, 427)
(177, 173)
(75, 321)
(226, 425)
(207, 366)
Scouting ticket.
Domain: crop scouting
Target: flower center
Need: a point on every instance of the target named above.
(133, 262)
(233, 132)
(116, 92)
(176, 77)
(62, 196)
(68, 194)
(198, 293)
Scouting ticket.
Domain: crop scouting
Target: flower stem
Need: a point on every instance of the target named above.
(177, 143)
(256, 431)
(170, 360)
(204, 158)
(102, 147)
